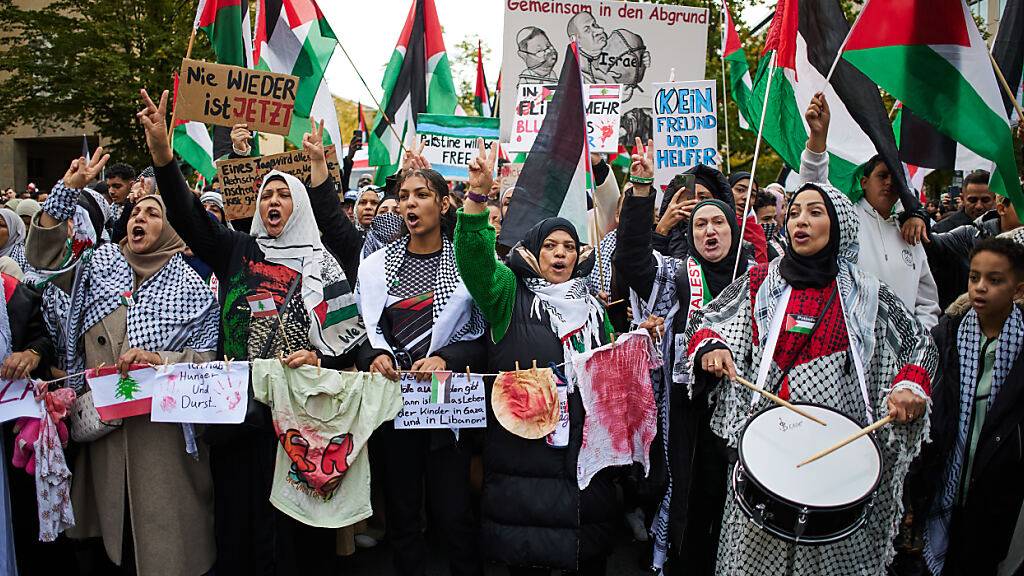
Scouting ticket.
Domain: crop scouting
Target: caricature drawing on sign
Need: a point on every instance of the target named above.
(592, 40)
(627, 60)
(538, 54)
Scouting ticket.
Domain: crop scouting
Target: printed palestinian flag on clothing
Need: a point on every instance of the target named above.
(739, 71)
(930, 55)
(802, 44)
(418, 80)
(294, 37)
(441, 387)
(193, 143)
(553, 181)
(481, 97)
(339, 305)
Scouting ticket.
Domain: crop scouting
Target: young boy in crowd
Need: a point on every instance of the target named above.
(972, 475)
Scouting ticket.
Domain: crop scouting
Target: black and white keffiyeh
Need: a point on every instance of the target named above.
(385, 228)
(601, 275)
(885, 338)
(968, 343)
(455, 315)
(169, 311)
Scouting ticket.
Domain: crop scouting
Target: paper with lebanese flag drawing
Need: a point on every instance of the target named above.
(116, 396)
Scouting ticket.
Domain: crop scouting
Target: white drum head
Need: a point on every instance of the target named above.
(778, 439)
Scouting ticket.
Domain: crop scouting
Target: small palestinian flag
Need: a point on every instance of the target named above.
(127, 299)
(799, 323)
(262, 305)
(441, 387)
(339, 305)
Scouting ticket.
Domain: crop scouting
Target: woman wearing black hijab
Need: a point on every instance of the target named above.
(535, 518)
(812, 327)
(688, 520)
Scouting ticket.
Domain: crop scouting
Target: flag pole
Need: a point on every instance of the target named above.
(839, 53)
(1006, 85)
(174, 108)
(383, 112)
(725, 98)
(757, 153)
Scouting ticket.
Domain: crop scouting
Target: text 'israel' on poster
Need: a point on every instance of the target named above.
(210, 393)
(602, 104)
(447, 400)
(450, 141)
(227, 95)
(240, 178)
(685, 128)
(628, 43)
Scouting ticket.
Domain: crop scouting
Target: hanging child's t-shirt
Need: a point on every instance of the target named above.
(323, 420)
(621, 420)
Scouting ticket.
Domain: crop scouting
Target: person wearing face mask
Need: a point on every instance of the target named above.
(812, 327)
(539, 306)
(686, 531)
(12, 237)
(420, 318)
(283, 260)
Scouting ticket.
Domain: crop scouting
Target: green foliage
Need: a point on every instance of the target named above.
(79, 61)
(463, 60)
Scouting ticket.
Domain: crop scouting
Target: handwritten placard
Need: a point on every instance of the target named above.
(17, 400)
(685, 128)
(450, 141)
(240, 178)
(603, 104)
(120, 396)
(210, 393)
(447, 400)
(228, 95)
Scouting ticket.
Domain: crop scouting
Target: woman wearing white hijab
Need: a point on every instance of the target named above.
(12, 236)
(281, 257)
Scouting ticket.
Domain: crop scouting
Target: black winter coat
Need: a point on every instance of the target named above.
(534, 513)
(981, 531)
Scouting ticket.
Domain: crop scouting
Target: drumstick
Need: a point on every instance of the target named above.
(853, 437)
(778, 400)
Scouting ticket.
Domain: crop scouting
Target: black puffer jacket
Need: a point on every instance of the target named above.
(981, 531)
(534, 514)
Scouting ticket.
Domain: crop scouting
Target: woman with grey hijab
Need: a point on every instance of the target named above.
(12, 236)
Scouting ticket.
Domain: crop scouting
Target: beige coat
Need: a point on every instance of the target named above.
(169, 494)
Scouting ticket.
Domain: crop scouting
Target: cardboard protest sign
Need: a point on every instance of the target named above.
(228, 95)
(447, 401)
(240, 178)
(685, 128)
(17, 400)
(627, 43)
(508, 175)
(451, 141)
(603, 107)
(209, 393)
(116, 396)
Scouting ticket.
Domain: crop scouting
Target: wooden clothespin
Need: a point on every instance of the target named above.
(318, 367)
(167, 365)
(468, 377)
(534, 369)
(517, 365)
(227, 363)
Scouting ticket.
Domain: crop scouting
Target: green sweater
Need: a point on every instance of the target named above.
(491, 284)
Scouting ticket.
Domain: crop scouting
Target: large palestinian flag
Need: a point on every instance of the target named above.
(735, 58)
(418, 80)
(930, 55)
(294, 37)
(803, 42)
(554, 179)
(1008, 50)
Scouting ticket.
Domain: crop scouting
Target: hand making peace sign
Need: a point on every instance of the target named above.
(414, 159)
(152, 119)
(313, 146)
(643, 161)
(481, 168)
(81, 172)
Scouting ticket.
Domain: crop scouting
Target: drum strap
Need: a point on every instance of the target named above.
(773, 339)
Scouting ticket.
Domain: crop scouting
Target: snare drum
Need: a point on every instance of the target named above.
(820, 503)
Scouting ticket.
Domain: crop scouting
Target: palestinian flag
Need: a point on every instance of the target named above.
(921, 144)
(294, 37)
(930, 55)
(362, 125)
(441, 387)
(802, 43)
(481, 97)
(339, 304)
(418, 80)
(554, 178)
(739, 71)
(497, 97)
(191, 140)
(226, 24)
(1008, 49)
(799, 323)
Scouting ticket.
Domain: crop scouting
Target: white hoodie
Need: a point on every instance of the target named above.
(883, 251)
